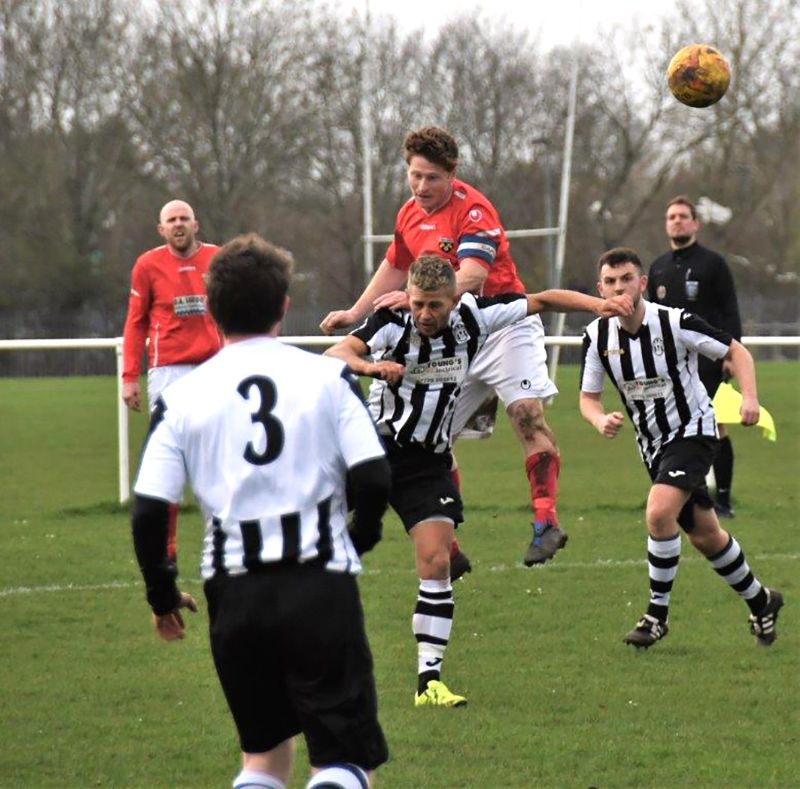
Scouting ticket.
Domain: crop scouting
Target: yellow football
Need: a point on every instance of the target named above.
(698, 75)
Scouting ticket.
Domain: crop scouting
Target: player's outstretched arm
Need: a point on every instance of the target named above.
(607, 424)
(352, 351)
(558, 300)
(744, 370)
(387, 278)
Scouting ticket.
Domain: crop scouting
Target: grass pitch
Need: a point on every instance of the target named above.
(90, 697)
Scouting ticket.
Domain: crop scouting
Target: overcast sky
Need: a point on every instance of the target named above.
(554, 21)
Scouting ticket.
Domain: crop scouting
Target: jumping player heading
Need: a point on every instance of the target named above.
(448, 217)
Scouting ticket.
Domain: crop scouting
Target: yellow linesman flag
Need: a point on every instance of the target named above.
(727, 402)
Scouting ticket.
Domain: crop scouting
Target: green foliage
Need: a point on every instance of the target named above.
(91, 698)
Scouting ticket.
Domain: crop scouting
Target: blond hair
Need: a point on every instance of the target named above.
(430, 272)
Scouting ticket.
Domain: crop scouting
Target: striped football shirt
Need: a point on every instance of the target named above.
(419, 410)
(655, 373)
(265, 434)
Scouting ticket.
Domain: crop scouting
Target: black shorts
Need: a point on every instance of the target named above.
(422, 485)
(292, 656)
(683, 463)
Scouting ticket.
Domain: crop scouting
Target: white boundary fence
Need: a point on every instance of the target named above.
(115, 343)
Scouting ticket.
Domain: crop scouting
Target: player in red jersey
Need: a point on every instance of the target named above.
(167, 305)
(448, 217)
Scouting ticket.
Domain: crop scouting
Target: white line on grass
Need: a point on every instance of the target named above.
(598, 564)
(11, 591)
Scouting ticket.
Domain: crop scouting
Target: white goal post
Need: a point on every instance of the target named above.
(115, 344)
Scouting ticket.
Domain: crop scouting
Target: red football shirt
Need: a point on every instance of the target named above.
(168, 306)
(466, 226)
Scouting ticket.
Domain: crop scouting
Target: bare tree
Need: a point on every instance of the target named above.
(62, 66)
(220, 105)
(487, 90)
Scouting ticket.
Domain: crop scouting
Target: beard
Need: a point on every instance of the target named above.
(681, 241)
(182, 243)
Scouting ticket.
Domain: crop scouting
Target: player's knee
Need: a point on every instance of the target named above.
(660, 519)
(434, 563)
(339, 776)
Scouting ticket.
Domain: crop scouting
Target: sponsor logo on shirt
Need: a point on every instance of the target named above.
(188, 268)
(614, 352)
(459, 194)
(475, 215)
(185, 306)
(427, 226)
(437, 371)
(647, 388)
(446, 244)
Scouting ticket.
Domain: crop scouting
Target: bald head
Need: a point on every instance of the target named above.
(178, 227)
(174, 206)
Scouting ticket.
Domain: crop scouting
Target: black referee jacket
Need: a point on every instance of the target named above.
(698, 280)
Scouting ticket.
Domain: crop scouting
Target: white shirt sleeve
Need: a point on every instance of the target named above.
(162, 471)
(355, 429)
(497, 312)
(592, 371)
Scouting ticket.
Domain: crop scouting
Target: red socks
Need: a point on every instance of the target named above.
(542, 469)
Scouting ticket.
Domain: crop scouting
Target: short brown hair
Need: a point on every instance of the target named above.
(248, 280)
(430, 272)
(433, 144)
(683, 200)
(617, 256)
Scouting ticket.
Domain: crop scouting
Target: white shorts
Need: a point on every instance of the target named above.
(159, 378)
(512, 364)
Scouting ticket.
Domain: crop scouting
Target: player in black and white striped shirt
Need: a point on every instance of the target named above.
(651, 358)
(267, 435)
(421, 357)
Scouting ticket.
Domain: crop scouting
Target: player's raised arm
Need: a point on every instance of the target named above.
(571, 300)
(387, 278)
